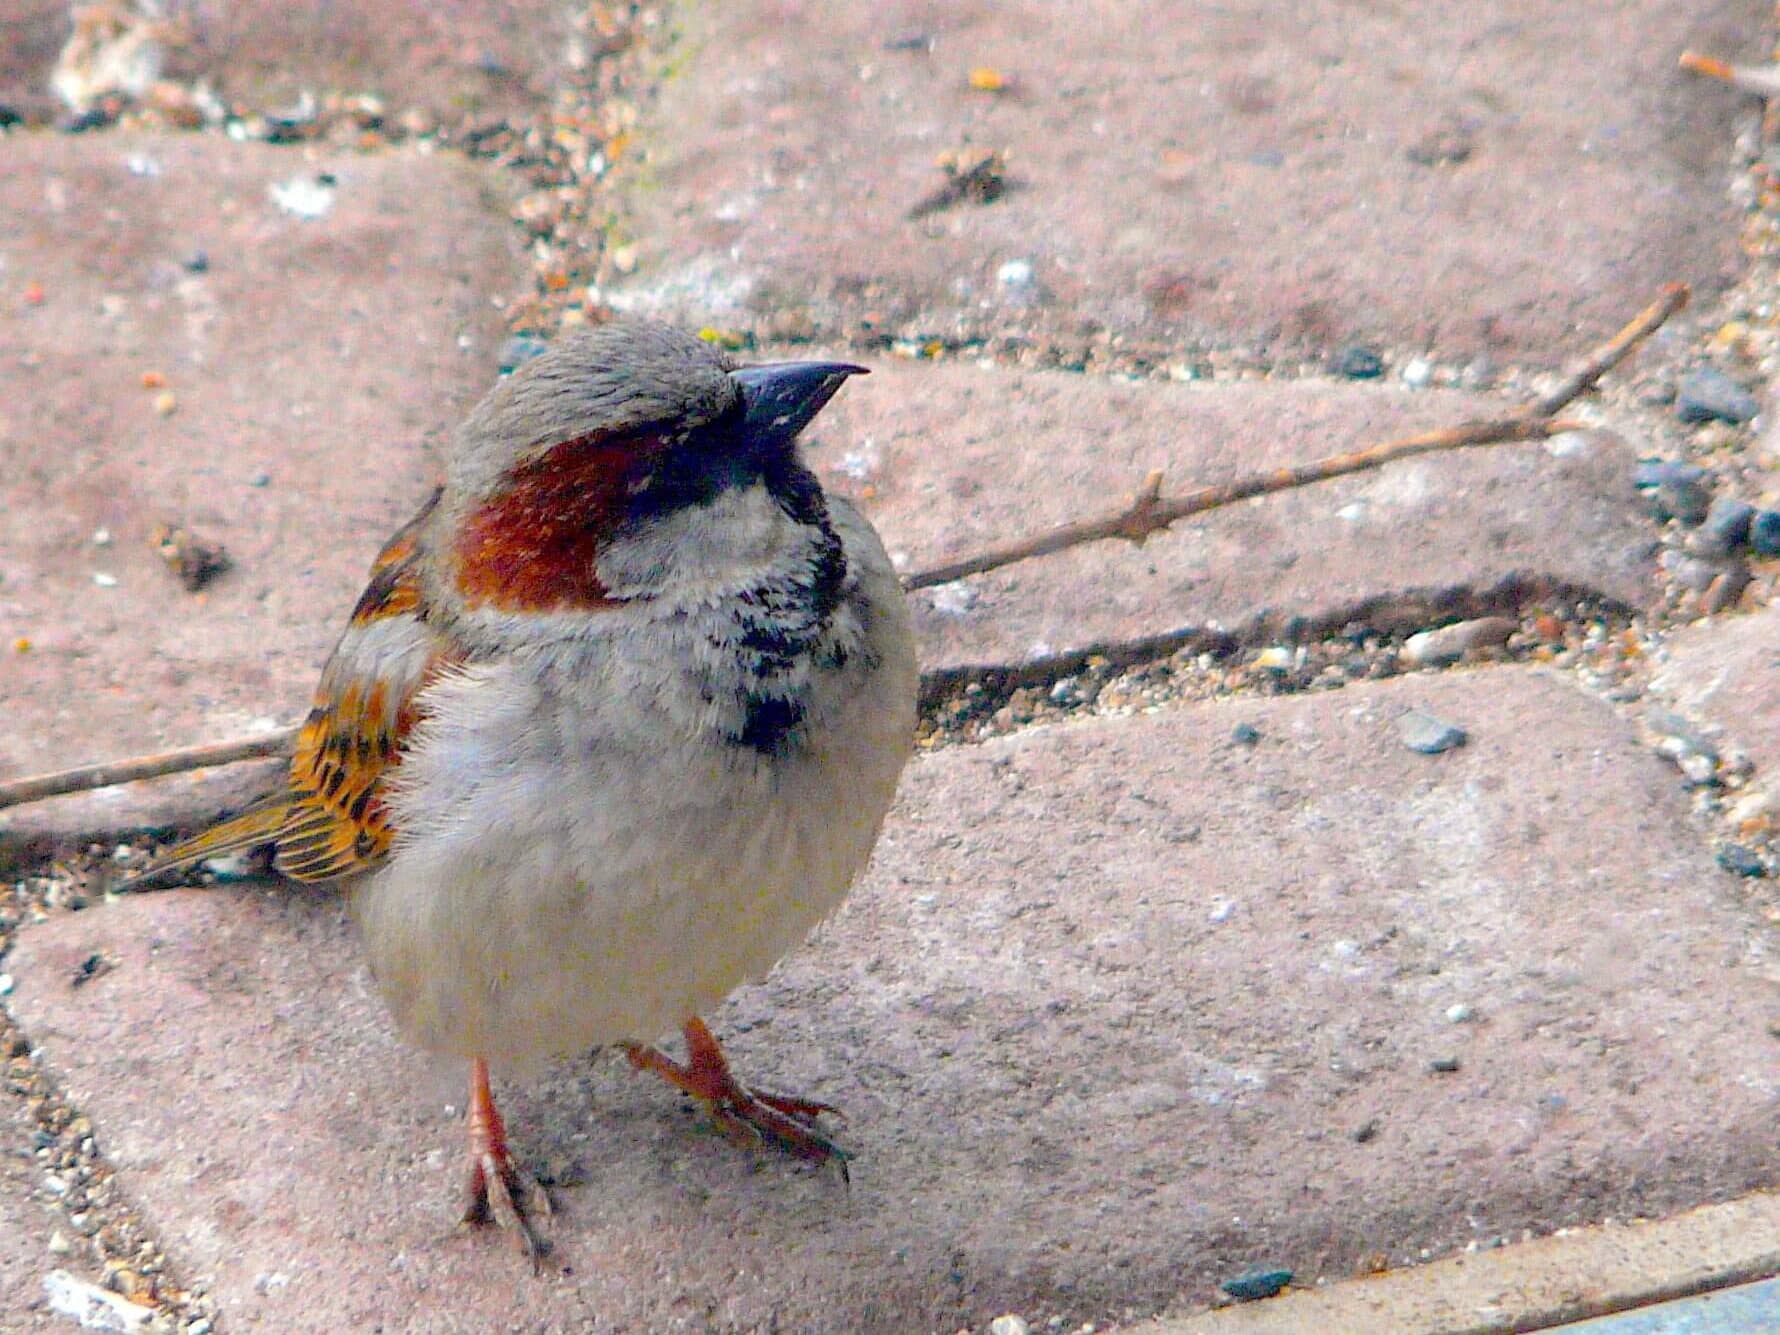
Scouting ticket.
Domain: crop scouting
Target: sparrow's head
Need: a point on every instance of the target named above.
(603, 435)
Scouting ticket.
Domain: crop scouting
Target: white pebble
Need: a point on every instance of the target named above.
(6, 985)
(1418, 373)
(1459, 1014)
(93, 1307)
(1015, 273)
(302, 196)
(954, 599)
(59, 1244)
(1009, 1325)
(101, 537)
(1274, 658)
(1699, 769)
(104, 580)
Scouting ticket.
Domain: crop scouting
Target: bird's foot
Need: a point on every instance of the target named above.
(499, 1191)
(748, 1116)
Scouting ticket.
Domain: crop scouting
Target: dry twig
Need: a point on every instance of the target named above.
(1147, 512)
(109, 773)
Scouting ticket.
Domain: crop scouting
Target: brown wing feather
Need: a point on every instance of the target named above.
(330, 821)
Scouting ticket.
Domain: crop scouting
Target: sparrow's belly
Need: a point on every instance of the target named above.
(573, 902)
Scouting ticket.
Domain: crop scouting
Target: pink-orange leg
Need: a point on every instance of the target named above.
(500, 1191)
(751, 1115)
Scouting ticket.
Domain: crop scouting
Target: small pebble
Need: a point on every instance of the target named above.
(1726, 591)
(1687, 500)
(1690, 572)
(1707, 394)
(1764, 532)
(1727, 523)
(197, 262)
(1421, 732)
(1245, 734)
(1448, 644)
(1741, 860)
(1358, 363)
(1262, 1282)
(1699, 771)
(1444, 1065)
(103, 580)
(520, 349)
(1419, 373)
(1459, 1014)
(5, 984)
(1275, 658)
(1652, 473)
(166, 402)
(1366, 1131)
(59, 1244)
(1009, 1325)
(260, 480)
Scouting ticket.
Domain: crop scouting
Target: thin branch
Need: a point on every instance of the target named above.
(1614, 351)
(1763, 80)
(105, 775)
(1147, 512)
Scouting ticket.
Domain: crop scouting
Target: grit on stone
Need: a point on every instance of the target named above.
(1494, 178)
(1723, 672)
(25, 1230)
(1122, 1009)
(958, 459)
(305, 362)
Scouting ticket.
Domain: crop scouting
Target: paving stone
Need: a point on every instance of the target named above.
(25, 1230)
(959, 459)
(35, 31)
(1723, 672)
(456, 58)
(308, 364)
(1105, 1015)
(1257, 173)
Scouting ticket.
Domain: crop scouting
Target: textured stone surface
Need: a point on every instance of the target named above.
(1109, 1016)
(451, 57)
(959, 459)
(484, 57)
(34, 31)
(1253, 173)
(308, 364)
(1726, 673)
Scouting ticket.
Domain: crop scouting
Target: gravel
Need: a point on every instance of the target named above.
(1709, 395)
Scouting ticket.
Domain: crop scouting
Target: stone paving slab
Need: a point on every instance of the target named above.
(448, 58)
(1123, 1008)
(1536, 1285)
(1502, 178)
(35, 31)
(1727, 672)
(959, 458)
(307, 364)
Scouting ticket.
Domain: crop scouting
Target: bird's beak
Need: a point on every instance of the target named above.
(780, 398)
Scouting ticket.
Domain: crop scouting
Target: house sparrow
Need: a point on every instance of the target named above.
(612, 728)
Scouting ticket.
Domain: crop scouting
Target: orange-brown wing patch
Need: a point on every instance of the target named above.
(364, 710)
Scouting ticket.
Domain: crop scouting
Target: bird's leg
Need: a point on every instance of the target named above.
(500, 1191)
(745, 1114)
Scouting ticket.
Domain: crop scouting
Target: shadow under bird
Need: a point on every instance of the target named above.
(613, 726)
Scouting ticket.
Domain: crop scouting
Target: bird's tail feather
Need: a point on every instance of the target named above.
(256, 827)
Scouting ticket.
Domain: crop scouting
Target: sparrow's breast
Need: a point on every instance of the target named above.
(602, 837)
